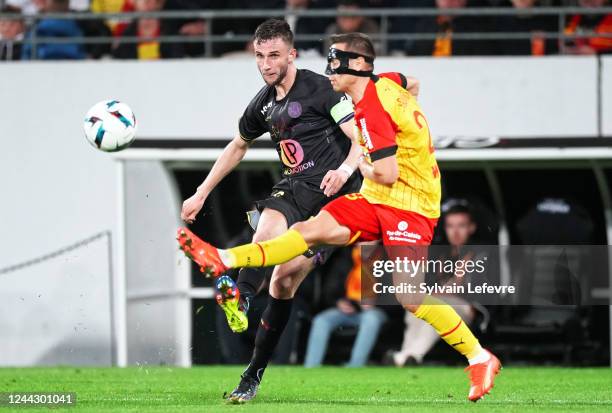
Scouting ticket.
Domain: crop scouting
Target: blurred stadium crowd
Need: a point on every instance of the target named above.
(28, 21)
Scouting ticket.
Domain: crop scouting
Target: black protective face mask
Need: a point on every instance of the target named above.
(338, 63)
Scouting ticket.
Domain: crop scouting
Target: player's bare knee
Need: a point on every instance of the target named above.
(282, 287)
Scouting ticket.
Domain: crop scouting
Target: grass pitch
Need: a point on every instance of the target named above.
(328, 389)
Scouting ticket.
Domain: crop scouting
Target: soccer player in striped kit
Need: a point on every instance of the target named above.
(398, 203)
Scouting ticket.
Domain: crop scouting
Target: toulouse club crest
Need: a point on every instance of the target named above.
(294, 109)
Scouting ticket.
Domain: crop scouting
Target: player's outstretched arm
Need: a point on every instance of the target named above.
(336, 178)
(227, 161)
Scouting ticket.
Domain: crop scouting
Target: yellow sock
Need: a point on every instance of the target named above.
(267, 253)
(445, 320)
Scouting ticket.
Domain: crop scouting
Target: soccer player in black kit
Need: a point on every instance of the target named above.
(312, 127)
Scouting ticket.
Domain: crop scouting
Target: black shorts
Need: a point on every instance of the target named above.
(299, 200)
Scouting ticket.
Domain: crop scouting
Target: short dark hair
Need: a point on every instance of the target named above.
(273, 29)
(355, 42)
(460, 209)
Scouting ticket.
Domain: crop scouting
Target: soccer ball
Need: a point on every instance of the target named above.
(110, 126)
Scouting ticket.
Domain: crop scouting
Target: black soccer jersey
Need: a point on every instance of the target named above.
(303, 125)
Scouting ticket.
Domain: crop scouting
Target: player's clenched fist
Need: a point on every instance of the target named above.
(191, 207)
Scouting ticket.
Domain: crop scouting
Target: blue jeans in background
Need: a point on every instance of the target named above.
(368, 323)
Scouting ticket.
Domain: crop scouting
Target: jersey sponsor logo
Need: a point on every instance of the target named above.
(365, 134)
(300, 168)
(266, 107)
(402, 226)
(291, 152)
(294, 109)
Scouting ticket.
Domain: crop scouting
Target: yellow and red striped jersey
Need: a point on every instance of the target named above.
(391, 122)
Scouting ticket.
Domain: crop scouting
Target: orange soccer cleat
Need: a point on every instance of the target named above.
(482, 376)
(202, 253)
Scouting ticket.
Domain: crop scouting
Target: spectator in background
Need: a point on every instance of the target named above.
(406, 24)
(88, 27)
(444, 26)
(11, 32)
(592, 25)
(32, 7)
(95, 28)
(191, 27)
(150, 28)
(304, 26)
(231, 27)
(350, 311)
(419, 336)
(347, 23)
(27, 7)
(59, 28)
(527, 22)
(117, 26)
(381, 4)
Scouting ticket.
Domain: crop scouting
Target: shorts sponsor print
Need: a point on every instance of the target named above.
(370, 222)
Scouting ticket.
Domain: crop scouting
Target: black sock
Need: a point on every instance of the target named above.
(250, 281)
(273, 322)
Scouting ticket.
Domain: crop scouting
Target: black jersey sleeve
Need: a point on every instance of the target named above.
(252, 124)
